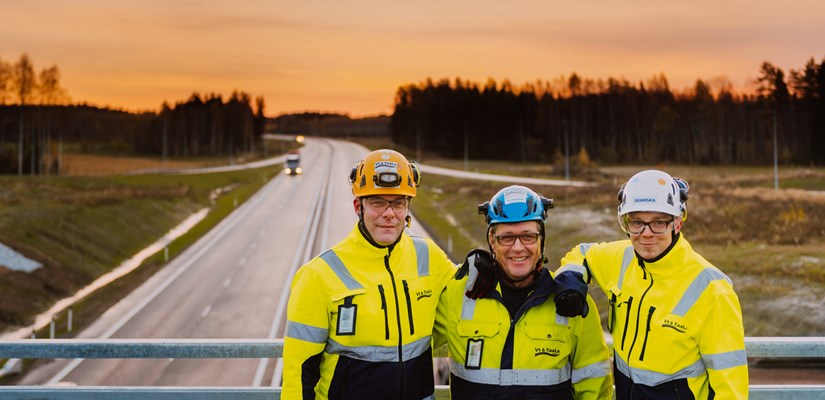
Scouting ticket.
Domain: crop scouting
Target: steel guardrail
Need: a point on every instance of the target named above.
(756, 347)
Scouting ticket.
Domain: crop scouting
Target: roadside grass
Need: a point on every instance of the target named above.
(771, 243)
(79, 164)
(81, 227)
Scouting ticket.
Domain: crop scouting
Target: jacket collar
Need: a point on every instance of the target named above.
(543, 286)
(664, 254)
(367, 249)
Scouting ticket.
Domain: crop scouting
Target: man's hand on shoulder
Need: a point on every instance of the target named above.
(571, 294)
(479, 267)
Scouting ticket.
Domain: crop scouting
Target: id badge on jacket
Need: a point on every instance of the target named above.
(346, 318)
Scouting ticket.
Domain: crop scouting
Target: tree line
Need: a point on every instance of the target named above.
(37, 121)
(615, 121)
(330, 125)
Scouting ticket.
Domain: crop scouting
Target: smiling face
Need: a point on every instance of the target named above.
(650, 245)
(518, 260)
(384, 220)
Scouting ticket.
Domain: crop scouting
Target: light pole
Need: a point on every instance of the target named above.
(775, 156)
(466, 148)
(566, 153)
(163, 145)
(418, 143)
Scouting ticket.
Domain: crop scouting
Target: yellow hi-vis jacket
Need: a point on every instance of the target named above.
(536, 354)
(360, 319)
(676, 322)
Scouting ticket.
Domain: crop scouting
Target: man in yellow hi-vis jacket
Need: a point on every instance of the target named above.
(360, 315)
(509, 343)
(675, 319)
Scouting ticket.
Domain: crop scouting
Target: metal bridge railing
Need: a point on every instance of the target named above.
(756, 347)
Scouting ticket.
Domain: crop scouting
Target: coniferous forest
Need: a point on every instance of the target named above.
(614, 121)
(36, 120)
(619, 122)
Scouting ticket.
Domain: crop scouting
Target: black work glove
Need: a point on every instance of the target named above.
(571, 294)
(480, 268)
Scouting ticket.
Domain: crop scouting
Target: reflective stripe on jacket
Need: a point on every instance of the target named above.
(360, 318)
(541, 355)
(676, 322)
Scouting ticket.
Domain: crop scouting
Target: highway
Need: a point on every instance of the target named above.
(231, 284)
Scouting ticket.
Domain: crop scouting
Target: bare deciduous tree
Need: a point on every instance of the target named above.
(5, 81)
(50, 91)
(24, 80)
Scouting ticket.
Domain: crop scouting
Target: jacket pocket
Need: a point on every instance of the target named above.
(612, 301)
(467, 328)
(549, 340)
(553, 333)
(479, 338)
(346, 310)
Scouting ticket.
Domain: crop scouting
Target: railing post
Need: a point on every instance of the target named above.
(69, 320)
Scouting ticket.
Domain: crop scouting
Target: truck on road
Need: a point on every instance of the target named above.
(293, 164)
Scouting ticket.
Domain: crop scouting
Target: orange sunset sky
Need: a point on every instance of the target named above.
(350, 56)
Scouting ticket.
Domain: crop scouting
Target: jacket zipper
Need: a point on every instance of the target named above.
(639, 309)
(398, 324)
(507, 362)
(611, 312)
(386, 316)
(647, 331)
(629, 303)
(409, 307)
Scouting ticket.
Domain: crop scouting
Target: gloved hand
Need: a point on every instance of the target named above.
(571, 294)
(481, 271)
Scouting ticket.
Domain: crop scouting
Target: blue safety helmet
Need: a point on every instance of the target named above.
(515, 204)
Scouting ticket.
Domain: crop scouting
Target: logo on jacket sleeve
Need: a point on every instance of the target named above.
(546, 351)
(423, 293)
(681, 328)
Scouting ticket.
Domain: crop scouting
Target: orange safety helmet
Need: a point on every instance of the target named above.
(384, 172)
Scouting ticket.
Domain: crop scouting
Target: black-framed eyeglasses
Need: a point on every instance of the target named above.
(379, 204)
(524, 238)
(656, 227)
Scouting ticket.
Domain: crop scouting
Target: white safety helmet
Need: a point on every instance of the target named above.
(653, 191)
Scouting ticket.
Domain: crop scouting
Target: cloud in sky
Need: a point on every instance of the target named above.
(350, 56)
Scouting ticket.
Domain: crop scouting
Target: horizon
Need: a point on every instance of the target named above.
(351, 59)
